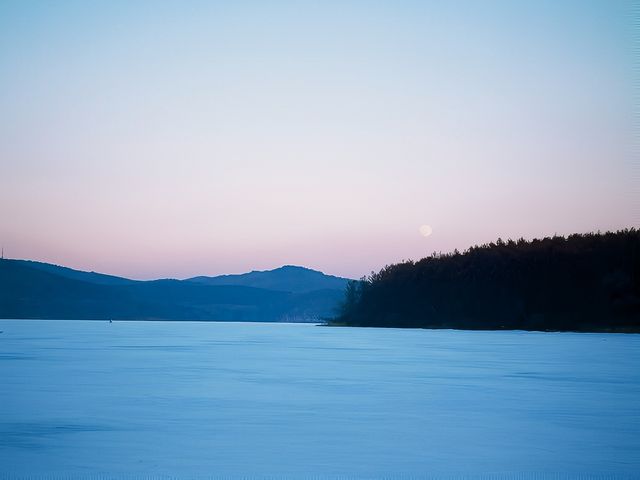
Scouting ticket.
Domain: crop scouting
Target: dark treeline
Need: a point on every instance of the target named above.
(585, 282)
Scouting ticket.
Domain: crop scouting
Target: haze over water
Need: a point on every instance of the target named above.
(245, 400)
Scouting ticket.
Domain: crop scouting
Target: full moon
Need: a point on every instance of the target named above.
(425, 230)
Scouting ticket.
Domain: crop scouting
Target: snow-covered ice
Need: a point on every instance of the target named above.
(183, 399)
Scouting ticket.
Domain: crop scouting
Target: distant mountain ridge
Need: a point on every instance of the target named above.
(67, 272)
(288, 278)
(39, 290)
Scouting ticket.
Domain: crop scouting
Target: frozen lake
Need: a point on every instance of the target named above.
(197, 400)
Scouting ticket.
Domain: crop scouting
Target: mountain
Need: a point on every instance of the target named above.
(38, 290)
(289, 278)
(585, 282)
(66, 272)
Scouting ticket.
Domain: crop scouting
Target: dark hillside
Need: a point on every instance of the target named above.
(29, 290)
(583, 282)
(288, 278)
(66, 272)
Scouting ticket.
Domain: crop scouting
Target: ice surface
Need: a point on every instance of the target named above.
(82, 398)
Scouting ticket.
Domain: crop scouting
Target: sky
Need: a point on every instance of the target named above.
(172, 139)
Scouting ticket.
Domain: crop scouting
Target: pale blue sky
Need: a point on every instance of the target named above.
(154, 139)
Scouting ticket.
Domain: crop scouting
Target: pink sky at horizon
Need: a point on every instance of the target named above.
(153, 141)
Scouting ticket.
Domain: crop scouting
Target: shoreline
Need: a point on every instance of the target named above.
(629, 330)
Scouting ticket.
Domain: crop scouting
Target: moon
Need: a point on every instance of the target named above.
(425, 230)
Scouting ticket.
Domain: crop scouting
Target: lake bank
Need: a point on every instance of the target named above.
(595, 330)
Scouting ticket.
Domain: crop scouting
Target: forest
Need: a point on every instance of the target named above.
(583, 282)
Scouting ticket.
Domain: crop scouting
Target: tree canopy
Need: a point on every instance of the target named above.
(583, 282)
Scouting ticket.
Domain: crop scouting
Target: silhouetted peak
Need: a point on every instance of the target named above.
(290, 278)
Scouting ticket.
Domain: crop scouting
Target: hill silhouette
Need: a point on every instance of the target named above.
(66, 272)
(288, 278)
(38, 290)
(587, 282)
